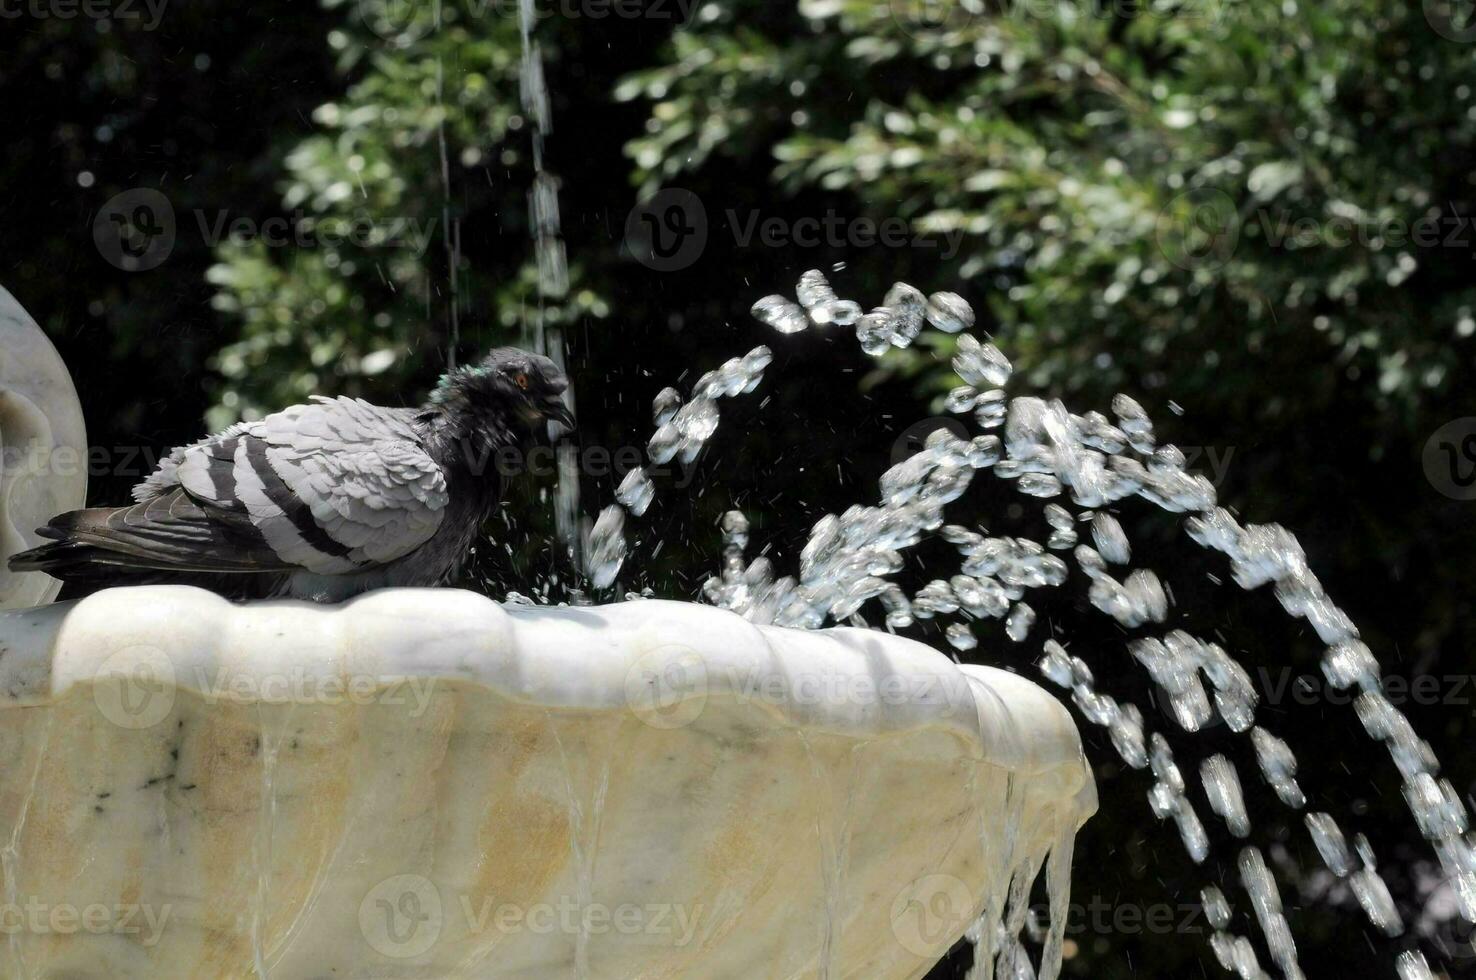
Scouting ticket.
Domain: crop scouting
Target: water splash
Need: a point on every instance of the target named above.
(1094, 462)
(683, 430)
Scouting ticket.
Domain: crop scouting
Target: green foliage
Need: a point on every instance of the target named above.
(1127, 184)
(425, 140)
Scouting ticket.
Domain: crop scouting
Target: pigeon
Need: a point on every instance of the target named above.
(320, 501)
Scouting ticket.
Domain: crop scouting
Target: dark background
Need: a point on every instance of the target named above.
(1319, 373)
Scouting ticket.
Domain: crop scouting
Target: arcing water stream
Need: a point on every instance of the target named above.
(1053, 455)
(1092, 462)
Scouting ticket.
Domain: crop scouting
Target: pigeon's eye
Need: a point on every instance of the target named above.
(521, 380)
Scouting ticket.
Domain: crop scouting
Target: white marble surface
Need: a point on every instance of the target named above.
(43, 469)
(429, 784)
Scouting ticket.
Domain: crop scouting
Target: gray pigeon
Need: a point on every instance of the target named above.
(320, 501)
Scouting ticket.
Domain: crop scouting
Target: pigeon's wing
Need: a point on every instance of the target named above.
(333, 486)
(168, 531)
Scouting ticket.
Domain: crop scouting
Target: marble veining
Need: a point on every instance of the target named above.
(425, 783)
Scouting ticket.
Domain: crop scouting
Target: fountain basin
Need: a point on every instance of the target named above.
(425, 783)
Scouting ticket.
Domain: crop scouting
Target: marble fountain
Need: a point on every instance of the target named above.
(427, 783)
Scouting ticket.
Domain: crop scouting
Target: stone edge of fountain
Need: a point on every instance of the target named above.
(887, 684)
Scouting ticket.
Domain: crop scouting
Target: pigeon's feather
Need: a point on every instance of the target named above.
(168, 531)
(331, 486)
(322, 500)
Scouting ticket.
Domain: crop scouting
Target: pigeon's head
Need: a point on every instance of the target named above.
(509, 389)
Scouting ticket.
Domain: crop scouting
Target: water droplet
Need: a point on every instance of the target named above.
(781, 314)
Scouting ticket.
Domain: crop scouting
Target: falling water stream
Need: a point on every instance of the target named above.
(553, 270)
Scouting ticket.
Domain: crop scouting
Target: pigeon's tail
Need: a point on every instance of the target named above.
(165, 539)
(86, 570)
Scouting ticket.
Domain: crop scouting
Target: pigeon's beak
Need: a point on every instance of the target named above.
(556, 411)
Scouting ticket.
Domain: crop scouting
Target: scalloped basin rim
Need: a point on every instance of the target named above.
(844, 681)
(805, 797)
